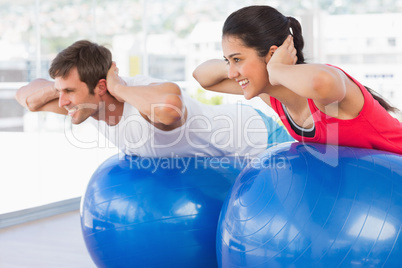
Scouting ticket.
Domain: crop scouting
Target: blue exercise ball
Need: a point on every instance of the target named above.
(156, 212)
(314, 205)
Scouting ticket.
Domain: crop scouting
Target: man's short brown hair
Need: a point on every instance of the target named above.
(91, 60)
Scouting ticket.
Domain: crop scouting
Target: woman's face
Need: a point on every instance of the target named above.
(245, 66)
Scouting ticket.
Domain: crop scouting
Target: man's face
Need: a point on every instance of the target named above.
(75, 97)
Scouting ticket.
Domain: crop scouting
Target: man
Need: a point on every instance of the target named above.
(145, 116)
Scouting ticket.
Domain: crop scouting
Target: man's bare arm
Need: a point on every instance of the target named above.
(40, 95)
(161, 103)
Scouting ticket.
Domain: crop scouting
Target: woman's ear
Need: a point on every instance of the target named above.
(271, 52)
(272, 49)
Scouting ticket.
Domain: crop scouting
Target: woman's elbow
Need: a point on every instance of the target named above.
(329, 87)
(198, 77)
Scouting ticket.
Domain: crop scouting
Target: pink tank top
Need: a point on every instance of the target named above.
(373, 128)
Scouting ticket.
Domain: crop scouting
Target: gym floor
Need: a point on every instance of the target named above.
(50, 242)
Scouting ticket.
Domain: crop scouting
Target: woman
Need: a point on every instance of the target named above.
(316, 102)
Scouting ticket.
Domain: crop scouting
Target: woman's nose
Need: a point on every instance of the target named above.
(232, 72)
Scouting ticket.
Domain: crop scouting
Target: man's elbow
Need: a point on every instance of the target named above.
(24, 101)
(172, 89)
(21, 98)
(170, 117)
(171, 111)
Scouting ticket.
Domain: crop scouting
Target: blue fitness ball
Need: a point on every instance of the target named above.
(314, 205)
(156, 212)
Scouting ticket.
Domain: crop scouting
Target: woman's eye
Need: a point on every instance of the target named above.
(236, 59)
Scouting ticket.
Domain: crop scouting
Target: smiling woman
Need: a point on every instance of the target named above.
(316, 102)
(45, 159)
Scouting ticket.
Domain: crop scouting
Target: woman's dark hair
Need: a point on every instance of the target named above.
(91, 60)
(387, 106)
(261, 27)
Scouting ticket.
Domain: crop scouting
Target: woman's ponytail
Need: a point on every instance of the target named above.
(296, 32)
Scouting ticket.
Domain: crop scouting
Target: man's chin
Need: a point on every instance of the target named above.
(76, 121)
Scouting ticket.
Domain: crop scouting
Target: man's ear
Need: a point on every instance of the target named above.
(102, 87)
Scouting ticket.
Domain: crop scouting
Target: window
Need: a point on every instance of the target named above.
(392, 41)
(41, 157)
